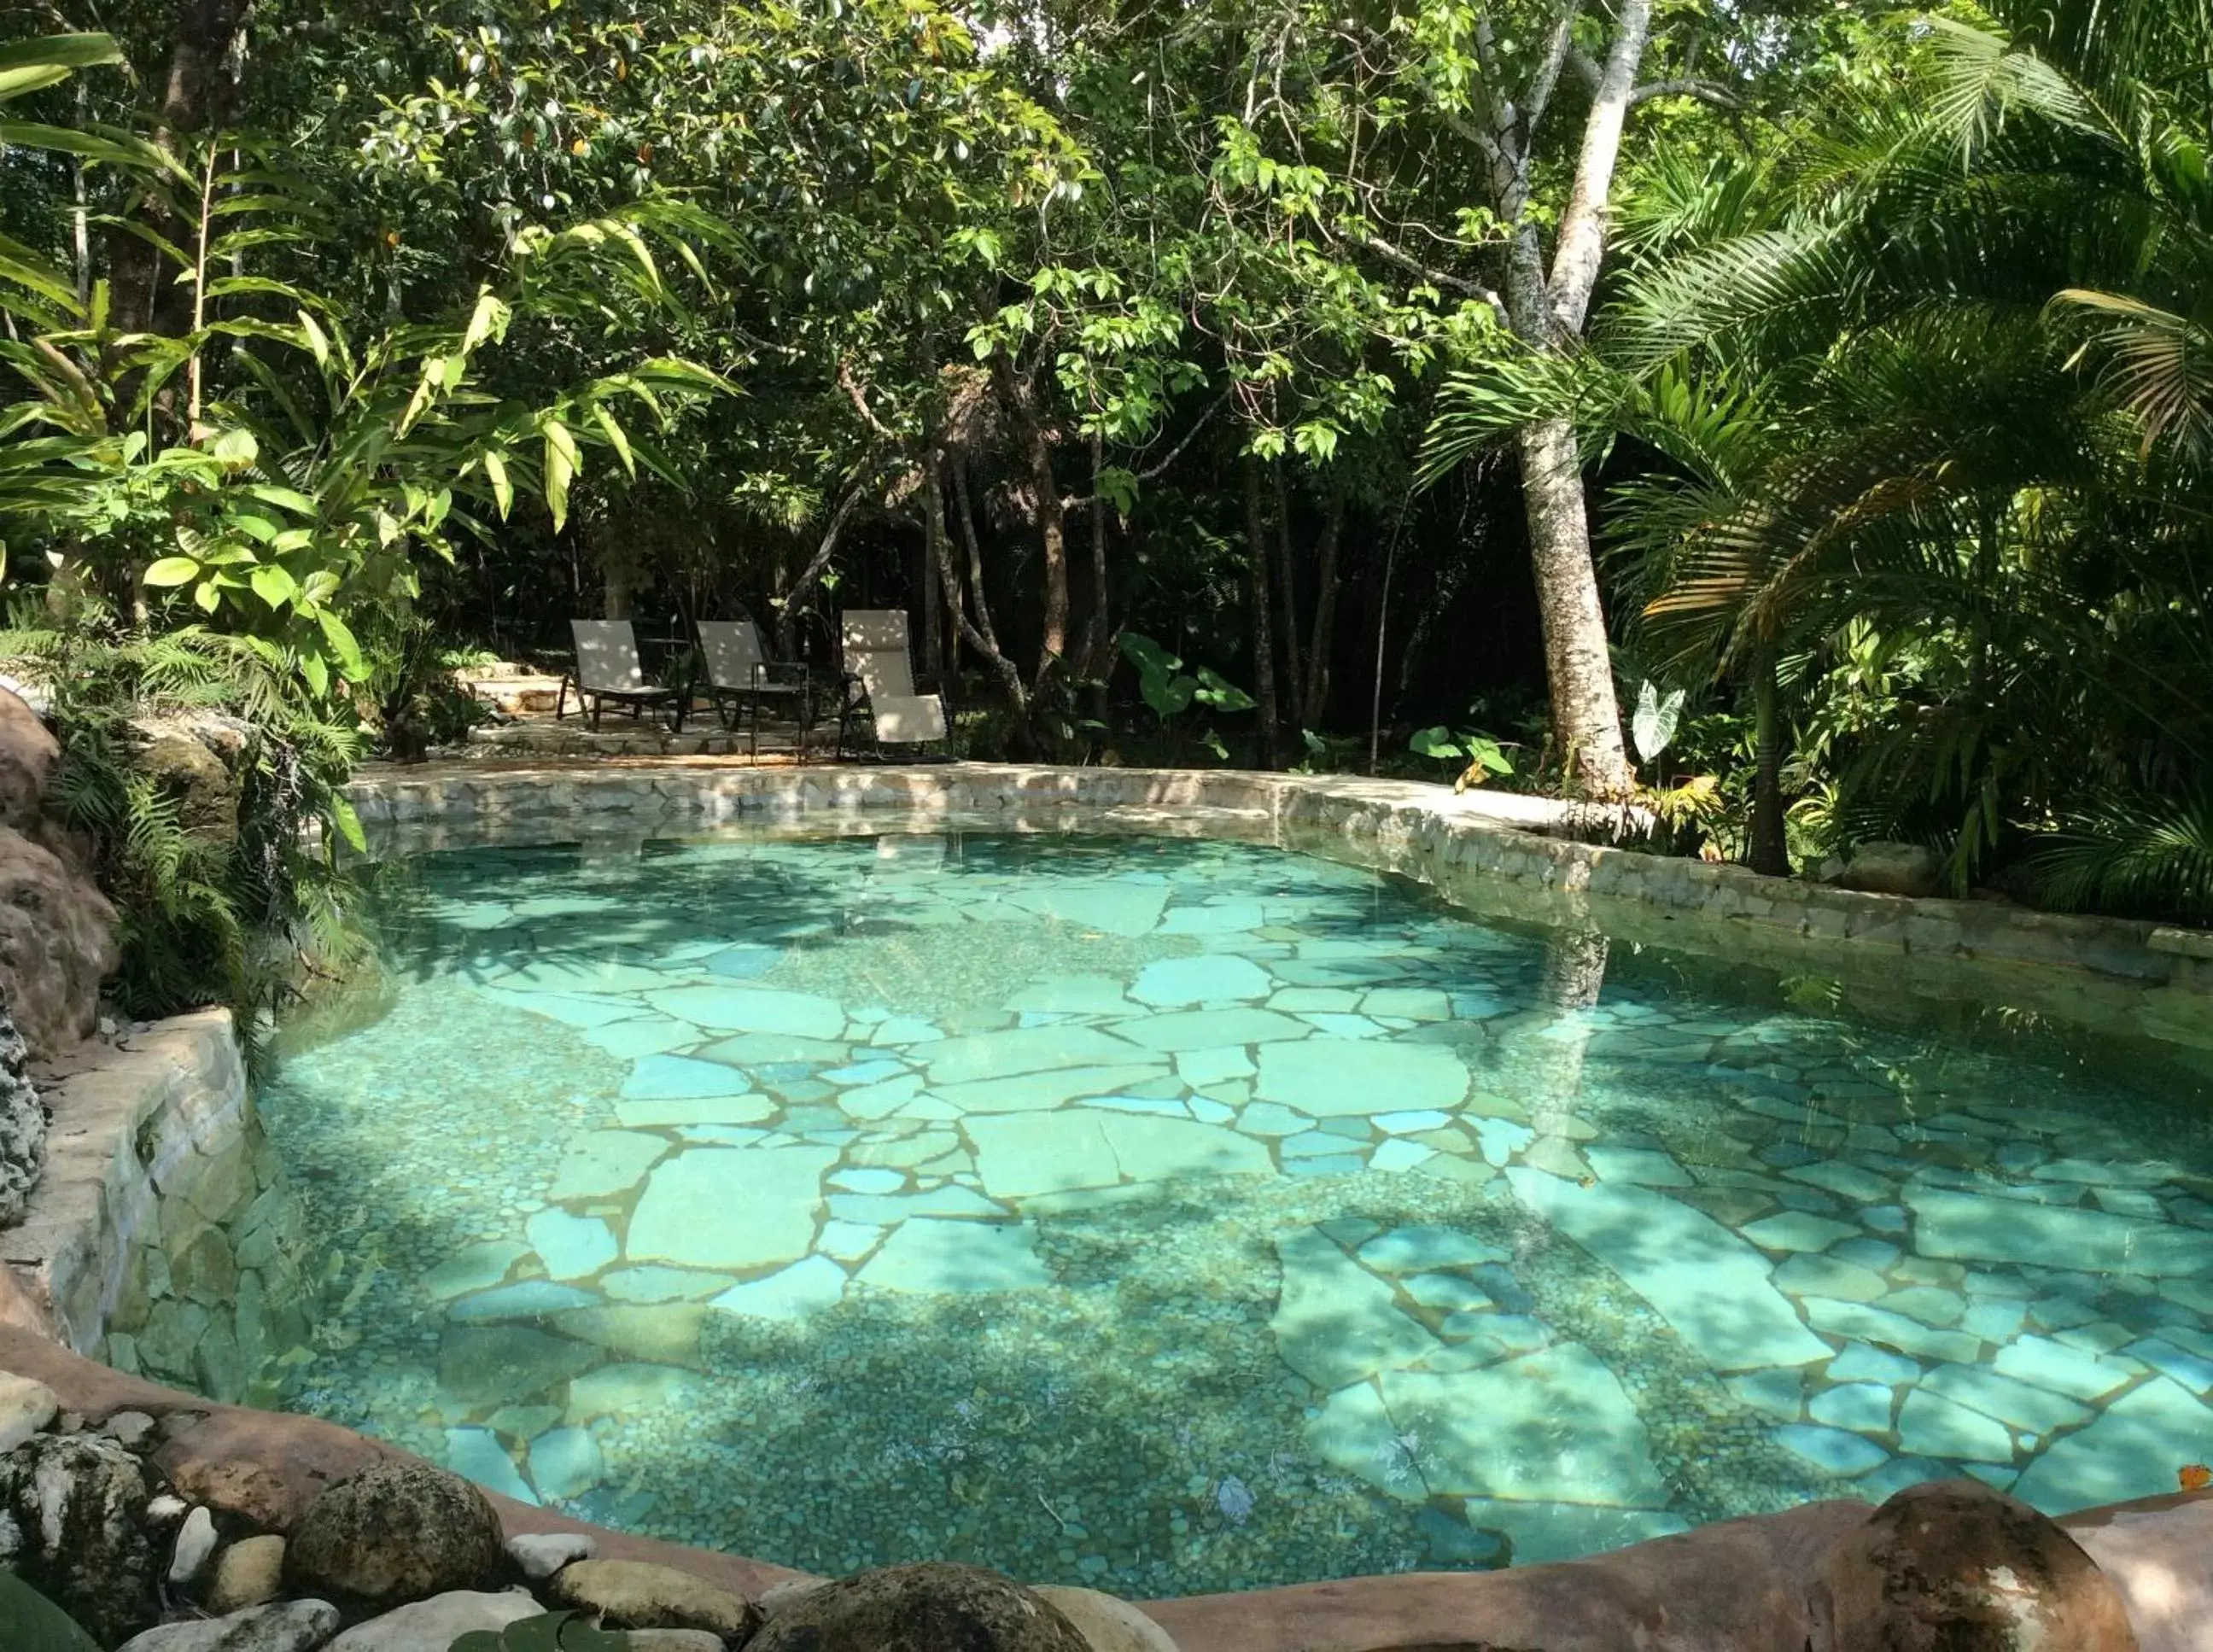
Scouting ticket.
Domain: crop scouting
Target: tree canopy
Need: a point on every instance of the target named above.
(1249, 380)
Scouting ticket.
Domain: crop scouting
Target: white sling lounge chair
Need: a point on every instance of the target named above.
(877, 664)
(741, 677)
(607, 669)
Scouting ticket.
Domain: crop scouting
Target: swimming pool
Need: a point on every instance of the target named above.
(1169, 1217)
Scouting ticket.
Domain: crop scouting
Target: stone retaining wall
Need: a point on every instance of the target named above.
(162, 1238)
(1498, 855)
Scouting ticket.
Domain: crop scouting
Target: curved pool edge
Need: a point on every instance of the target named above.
(1489, 853)
(1744, 1585)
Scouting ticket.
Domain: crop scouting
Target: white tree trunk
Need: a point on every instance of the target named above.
(1586, 718)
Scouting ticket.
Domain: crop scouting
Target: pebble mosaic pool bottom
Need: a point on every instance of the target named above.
(1176, 1216)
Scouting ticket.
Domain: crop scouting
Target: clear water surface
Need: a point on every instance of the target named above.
(1174, 1216)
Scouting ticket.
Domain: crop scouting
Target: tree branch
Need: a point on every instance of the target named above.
(1174, 453)
(1407, 261)
(1706, 91)
(1541, 84)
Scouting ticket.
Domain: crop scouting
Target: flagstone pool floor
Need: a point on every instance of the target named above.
(1171, 1216)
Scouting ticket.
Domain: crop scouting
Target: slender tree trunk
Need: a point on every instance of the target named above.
(1052, 528)
(1314, 703)
(1263, 641)
(1286, 562)
(786, 606)
(1768, 849)
(977, 633)
(1586, 716)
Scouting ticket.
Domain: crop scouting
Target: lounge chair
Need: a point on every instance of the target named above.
(607, 669)
(741, 676)
(879, 680)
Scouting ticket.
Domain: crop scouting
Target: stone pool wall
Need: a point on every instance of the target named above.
(1495, 854)
(162, 1238)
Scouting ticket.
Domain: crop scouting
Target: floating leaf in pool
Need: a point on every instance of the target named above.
(1404, 1456)
(2195, 1477)
(1235, 1499)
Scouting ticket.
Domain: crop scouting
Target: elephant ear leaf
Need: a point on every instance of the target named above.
(552, 1631)
(31, 1623)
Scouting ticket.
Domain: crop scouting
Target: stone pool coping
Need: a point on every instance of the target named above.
(1495, 854)
(135, 1121)
(1736, 1586)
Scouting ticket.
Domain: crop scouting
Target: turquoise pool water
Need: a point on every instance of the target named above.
(1174, 1216)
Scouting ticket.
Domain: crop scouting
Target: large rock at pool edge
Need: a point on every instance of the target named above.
(932, 1607)
(1956, 1566)
(56, 941)
(395, 1532)
(70, 1512)
(638, 1594)
(1892, 869)
(28, 754)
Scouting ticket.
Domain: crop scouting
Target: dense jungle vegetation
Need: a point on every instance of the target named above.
(1795, 416)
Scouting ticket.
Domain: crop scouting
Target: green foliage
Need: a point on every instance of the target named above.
(1170, 691)
(2132, 854)
(212, 911)
(1478, 756)
(28, 1621)
(552, 1631)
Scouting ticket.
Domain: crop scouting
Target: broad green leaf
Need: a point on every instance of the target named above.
(348, 823)
(502, 490)
(488, 321)
(172, 570)
(615, 436)
(273, 585)
(235, 447)
(316, 670)
(351, 664)
(31, 1623)
(1438, 741)
(560, 465)
(1654, 723)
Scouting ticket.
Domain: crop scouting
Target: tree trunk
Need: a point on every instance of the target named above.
(1052, 528)
(787, 605)
(1586, 716)
(977, 634)
(1768, 850)
(1314, 704)
(1263, 641)
(1294, 669)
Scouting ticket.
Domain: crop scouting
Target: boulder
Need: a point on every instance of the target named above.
(1892, 869)
(1108, 1625)
(672, 1640)
(29, 753)
(780, 1597)
(26, 1406)
(248, 1573)
(539, 1555)
(195, 1546)
(396, 1531)
(435, 1624)
(638, 1594)
(22, 1127)
(68, 1524)
(192, 760)
(290, 1626)
(56, 941)
(921, 1608)
(1957, 1566)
